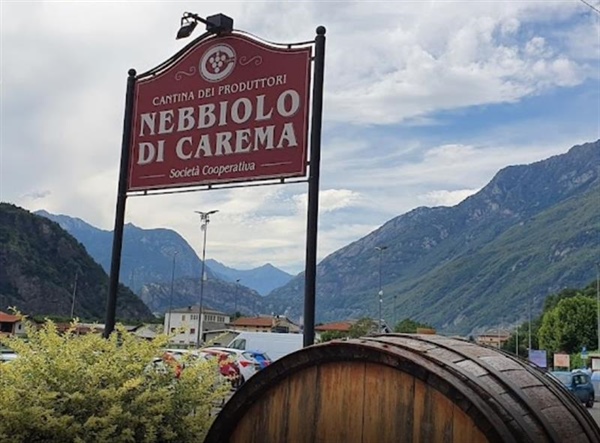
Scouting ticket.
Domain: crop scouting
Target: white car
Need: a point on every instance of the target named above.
(247, 364)
(6, 357)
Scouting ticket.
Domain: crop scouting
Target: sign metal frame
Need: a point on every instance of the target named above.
(312, 147)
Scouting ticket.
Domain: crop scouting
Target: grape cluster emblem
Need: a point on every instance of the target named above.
(217, 63)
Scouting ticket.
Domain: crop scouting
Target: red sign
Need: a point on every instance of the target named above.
(231, 109)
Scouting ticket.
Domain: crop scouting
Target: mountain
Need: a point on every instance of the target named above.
(42, 266)
(532, 231)
(216, 294)
(262, 279)
(148, 267)
(147, 255)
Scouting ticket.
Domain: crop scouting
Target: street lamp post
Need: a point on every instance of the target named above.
(598, 300)
(380, 249)
(205, 219)
(171, 294)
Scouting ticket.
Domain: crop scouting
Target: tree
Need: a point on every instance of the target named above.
(523, 332)
(409, 326)
(332, 335)
(569, 326)
(552, 300)
(362, 327)
(84, 388)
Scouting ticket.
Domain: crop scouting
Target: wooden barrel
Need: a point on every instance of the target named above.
(402, 388)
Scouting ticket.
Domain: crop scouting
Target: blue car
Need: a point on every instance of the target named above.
(579, 383)
(262, 358)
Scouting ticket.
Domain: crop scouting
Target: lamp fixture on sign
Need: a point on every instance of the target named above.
(217, 24)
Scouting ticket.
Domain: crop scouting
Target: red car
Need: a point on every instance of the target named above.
(227, 366)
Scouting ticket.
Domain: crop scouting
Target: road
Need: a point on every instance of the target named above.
(595, 412)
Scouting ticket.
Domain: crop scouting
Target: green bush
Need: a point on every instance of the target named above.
(70, 388)
(332, 335)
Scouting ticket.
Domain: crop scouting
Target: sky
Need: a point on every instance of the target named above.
(425, 101)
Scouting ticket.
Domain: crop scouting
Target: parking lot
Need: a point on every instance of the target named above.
(595, 412)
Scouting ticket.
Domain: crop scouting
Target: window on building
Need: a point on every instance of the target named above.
(183, 317)
(193, 317)
(192, 331)
(172, 330)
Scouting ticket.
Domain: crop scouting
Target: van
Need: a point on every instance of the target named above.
(274, 344)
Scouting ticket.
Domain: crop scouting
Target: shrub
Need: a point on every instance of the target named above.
(70, 388)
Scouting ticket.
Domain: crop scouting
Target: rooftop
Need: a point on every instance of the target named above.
(7, 318)
(343, 326)
(253, 321)
(196, 309)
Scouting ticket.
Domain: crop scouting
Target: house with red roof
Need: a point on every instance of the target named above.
(343, 327)
(11, 324)
(263, 323)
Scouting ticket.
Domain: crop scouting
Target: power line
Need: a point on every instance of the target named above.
(591, 6)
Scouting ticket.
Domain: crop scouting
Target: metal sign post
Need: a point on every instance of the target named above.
(310, 287)
(115, 264)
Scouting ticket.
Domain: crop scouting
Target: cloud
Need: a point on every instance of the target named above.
(413, 64)
(416, 105)
(36, 195)
(329, 200)
(446, 198)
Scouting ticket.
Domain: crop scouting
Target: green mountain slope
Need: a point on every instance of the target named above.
(532, 230)
(549, 252)
(39, 264)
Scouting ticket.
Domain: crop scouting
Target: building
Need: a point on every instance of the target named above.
(275, 323)
(493, 337)
(343, 327)
(182, 324)
(11, 324)
(148, 331)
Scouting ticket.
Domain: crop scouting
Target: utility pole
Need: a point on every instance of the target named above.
(380, 249)
(74, 293)
(517, 341)
(598, 301)
(237, 290)
(529, 315)
(171, 294)
(394, 325)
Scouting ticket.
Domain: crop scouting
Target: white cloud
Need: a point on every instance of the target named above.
(446, 198)
(329, 200)
(392, 66)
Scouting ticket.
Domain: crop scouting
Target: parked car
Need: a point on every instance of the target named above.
(7, 356)
(245, 360)
(277, 345)
(579, 384)
(174, 361)
(228, 367)
(262, 358)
